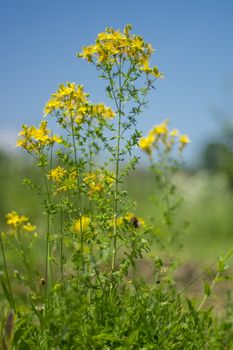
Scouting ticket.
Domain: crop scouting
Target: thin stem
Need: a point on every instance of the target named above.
(89, 147)
(198, 277)
(140, 103)
(61, 246)
(117, 172)
(47, 251)
(6, 272)
(90, 170)
(79, 192)
(47, 261)
(211, 287)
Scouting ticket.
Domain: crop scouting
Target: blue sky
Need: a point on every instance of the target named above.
(194, 50)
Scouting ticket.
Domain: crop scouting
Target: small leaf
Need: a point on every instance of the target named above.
(207, 289)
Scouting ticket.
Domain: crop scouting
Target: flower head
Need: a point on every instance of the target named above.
(19, 221)
(70, 103)
(161, 129)
(184, 140)
(33, 139)
(65, 180)
(145, 143)
(159, 137)
(112, 45)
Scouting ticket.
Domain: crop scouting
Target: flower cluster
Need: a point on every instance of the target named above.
(65, 180)
(112, 44)
(19, 221)
(160, 134)
(102, 111)
(70, 101)
(33, 139)
(97, 181)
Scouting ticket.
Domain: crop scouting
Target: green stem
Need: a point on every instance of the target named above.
(6, 272)
(117, 172)
(47, 261)
(24, 256)
(79, 194)
(47, 252)
(211, 287)
(61, 247)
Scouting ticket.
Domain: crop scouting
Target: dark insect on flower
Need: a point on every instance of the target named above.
(135, 222)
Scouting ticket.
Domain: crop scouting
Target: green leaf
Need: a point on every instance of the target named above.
(207, 289)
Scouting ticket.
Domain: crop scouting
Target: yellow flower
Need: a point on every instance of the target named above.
(161, 129)
(103, 111)
(159, 136)
(174, 132)
(57, 174)
(56, 139)
(84, 222)
(70, 102)
(69, 97)
(15, 220)
(64, 179)
(146, 66)
(112, 45)
(145, 143)
(29, 227)
(184, 140)
(51, 106)
(33, 139)
(157, 73)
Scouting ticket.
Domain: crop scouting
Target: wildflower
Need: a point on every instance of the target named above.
(33, 139)
(19, 221)
(15, 220)
(70, 103)
(174, 132)
(64, 179)
(101, 110)
(69, 97)
(145, 143)
(29, 227)
(113, 44)
(159, 136)
(84, 221)
(161, 129)
(184, 140)
(57, 174)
